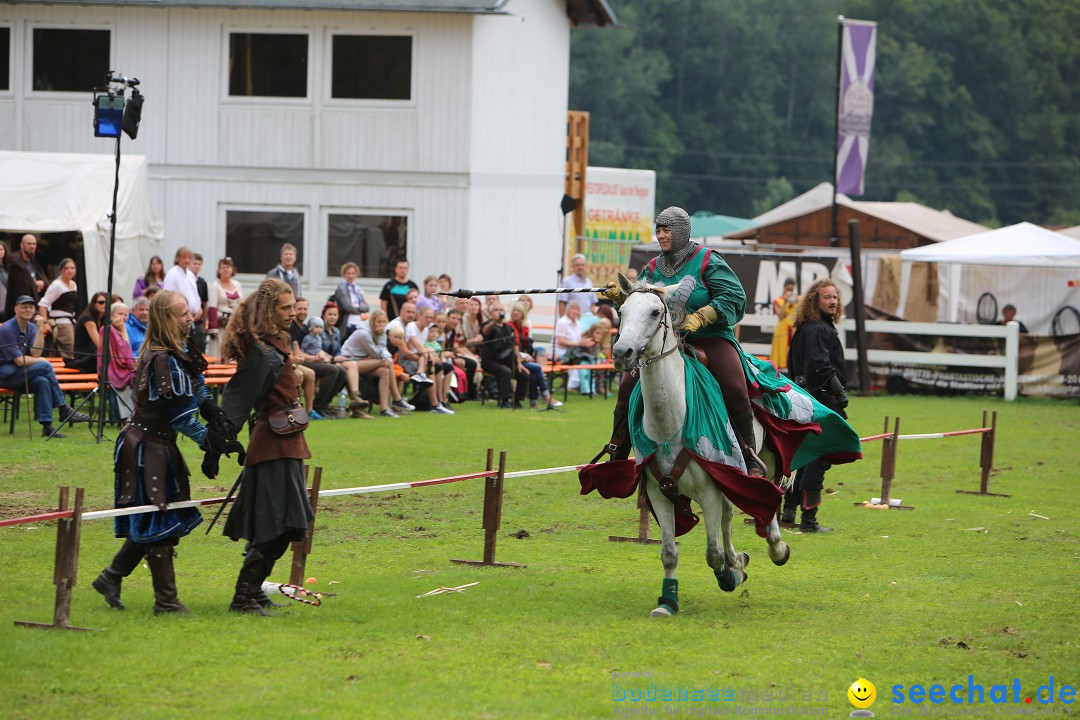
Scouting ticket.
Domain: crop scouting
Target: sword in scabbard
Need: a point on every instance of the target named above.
(520, 291)
(228, 499)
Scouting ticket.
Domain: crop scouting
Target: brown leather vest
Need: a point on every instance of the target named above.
(264, 444)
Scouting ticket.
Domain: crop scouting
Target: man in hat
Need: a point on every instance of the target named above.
(22, 367)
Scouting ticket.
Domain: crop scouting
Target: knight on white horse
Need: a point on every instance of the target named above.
(688, 445)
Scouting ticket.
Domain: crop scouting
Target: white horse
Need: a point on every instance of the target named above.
(647, 344)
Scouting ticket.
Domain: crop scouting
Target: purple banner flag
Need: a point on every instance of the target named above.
(856, 104)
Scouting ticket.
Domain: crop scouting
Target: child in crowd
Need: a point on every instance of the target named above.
(446, 284)
(597, 352)
(312, 344)
(429, 298)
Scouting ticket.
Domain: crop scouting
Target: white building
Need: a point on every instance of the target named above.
(355, 129)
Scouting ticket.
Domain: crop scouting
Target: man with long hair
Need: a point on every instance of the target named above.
(272, 507)
(169, 396)
(816, 362)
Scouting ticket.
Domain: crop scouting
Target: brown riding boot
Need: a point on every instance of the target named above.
(160, 560)
(123, 563)
(619, 447)
(744, 430)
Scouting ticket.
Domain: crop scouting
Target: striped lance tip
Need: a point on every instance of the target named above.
(520, 291)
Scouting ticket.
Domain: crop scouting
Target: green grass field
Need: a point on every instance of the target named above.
(963, 585)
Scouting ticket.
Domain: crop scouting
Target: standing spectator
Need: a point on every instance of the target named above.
(519, 323)
(88, 334)
(199, 335)
(816, 362)
(136, 324)
(224, 296)
(430, 299)
(784, 309)
(25, 274)
(501, 358)
(350, 299)
(286, 269)
(121, 361)
(1008, 314)
(149, 469)
(3, 279)
(154, 277)
(587, 300)
(394, 291)
(181, 279)
(331, 339)
(272, 508)
(22, 366)
(58, 305)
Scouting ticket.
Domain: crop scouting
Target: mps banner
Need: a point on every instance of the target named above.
(855, 105)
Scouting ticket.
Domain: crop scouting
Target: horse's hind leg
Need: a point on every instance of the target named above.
(668, 602)
(732, 573)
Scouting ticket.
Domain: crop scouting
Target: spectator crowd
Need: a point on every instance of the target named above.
(415, 349)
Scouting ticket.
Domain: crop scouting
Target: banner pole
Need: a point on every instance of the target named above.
(833, 240)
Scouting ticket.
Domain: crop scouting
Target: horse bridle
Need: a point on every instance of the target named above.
(665, 322)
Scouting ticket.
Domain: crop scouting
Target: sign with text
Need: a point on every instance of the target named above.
(619, 214)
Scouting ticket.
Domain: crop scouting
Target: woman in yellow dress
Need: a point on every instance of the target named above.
(784, 308)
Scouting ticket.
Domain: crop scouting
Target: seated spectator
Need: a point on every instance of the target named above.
(519, 316)
(455, 350)
(121, 363)
(365, 353)
(597, 352)
(395, 340)
(320, 376)
(446, 283)
(501, 358)
(22, 366)
(88, 335)
(472, 320)
(331, 337)
(136, 324)
(416, 338)
(350, 301)
(430, 299)
(58, 305)
(569, 342)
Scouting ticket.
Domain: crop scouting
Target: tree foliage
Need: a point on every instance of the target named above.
(974, 109)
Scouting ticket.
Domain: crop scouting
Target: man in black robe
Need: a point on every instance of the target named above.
(816, 362)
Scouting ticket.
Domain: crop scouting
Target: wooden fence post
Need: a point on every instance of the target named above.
(302, 548)
(492, 519)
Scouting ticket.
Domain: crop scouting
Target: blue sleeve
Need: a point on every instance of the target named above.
(180, 405)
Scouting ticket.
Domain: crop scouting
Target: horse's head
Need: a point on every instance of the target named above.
(641, 315)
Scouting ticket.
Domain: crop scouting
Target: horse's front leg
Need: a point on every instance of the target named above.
(668, 602)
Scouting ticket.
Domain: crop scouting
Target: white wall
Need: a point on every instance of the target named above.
(474, 159)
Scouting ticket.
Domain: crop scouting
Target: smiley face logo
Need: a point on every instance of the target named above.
(862, 693)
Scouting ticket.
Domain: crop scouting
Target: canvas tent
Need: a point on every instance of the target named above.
(59, 192)
(1024, 264)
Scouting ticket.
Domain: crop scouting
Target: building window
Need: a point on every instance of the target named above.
(374, 242)
(253, 238)
(67, 60)
(5, 58)
(372, 67)
(268, 65)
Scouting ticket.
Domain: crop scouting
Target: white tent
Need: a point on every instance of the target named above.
(1023, 244)
(58, 192)
(1024, 265)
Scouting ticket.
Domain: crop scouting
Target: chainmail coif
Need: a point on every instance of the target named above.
(678, 221)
